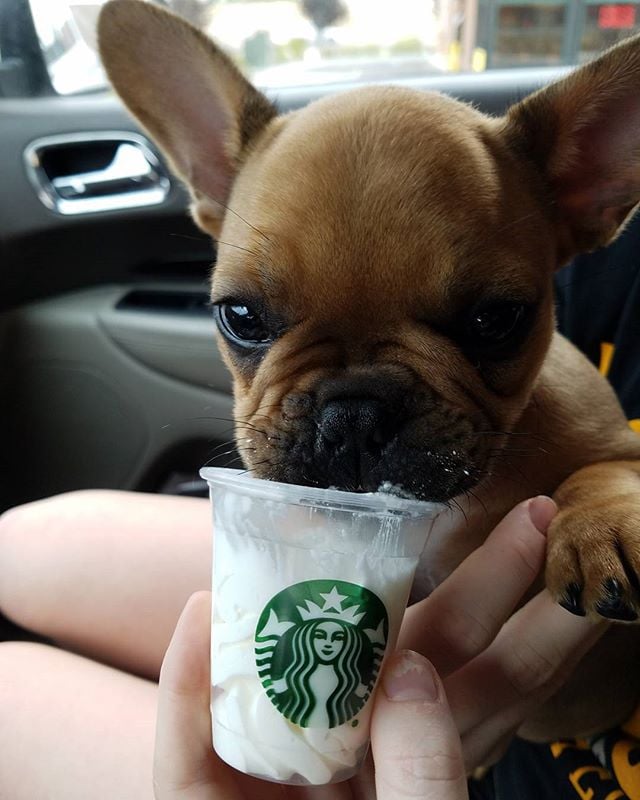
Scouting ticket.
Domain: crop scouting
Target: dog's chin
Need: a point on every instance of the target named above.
(433, 478)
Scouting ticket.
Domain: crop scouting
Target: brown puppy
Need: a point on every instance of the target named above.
(383, 294)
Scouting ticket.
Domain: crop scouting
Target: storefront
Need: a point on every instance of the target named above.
(551, 32)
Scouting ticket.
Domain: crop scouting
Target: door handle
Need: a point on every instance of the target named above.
(83, 173)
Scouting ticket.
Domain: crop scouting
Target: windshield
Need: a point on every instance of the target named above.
(288, 43)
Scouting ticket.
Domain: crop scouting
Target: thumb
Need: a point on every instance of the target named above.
(185, 766)
(415, 743)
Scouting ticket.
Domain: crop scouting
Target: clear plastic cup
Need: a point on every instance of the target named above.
(309, 590)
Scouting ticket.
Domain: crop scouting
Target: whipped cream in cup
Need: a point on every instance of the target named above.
(309, 590)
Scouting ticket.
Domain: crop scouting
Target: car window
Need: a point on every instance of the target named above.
(287, 43)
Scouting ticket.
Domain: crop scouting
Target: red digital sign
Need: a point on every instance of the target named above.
(617, 16)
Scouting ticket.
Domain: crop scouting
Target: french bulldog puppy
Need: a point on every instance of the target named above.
(384, 301)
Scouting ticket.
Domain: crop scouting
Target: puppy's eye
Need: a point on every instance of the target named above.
(495, 330)
(242, 324)
(496, 323)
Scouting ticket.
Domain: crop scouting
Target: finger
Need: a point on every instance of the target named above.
(484, 748)
(535, 651)
(464, 614)
(416, 747)
(185, 765)
(487, 742)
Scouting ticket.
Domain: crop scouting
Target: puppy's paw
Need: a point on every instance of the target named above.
(593, 552)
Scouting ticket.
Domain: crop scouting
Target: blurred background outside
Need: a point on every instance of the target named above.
(286, 43)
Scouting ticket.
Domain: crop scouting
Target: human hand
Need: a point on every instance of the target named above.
(498, 668)
(415, 745)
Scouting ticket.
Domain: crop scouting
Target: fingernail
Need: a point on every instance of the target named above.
(410, 677)
(542, 510)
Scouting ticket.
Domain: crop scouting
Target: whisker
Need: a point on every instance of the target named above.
(221, 455)
(228, 443)
(515, 467)
(502, 477)
(516, 222)
(230, 452)
(237, 424)
(204, 238)
(238, 247)
(209, 417)
(258, 416)
(511, 451)
(459, 507)
(478, 500)
(253, 466)
(265, 407)
(236, 214)
(514, 434)
(529, 434)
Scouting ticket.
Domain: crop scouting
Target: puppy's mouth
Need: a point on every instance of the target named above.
(401, 470)
(363, 444)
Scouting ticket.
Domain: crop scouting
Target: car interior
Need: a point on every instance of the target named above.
(109, 375)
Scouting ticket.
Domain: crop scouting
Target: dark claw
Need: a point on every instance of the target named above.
(571, 600)
(613, 606)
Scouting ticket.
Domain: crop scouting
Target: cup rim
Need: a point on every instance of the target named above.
(379, 503)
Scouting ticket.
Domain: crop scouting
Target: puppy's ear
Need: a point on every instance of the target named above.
(187, 94)
(583, 133)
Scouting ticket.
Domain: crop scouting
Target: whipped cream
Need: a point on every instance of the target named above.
(307, 603)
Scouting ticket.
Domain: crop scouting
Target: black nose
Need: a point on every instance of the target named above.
(355, 423)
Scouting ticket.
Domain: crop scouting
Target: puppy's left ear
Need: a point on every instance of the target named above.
(583, 133)
(187, 94)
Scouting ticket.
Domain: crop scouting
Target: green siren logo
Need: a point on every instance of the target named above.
(319, 646)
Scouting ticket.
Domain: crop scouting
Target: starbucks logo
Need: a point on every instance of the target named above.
(319, 646)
